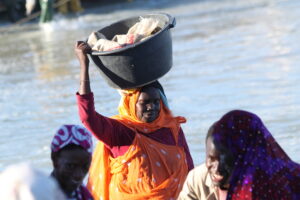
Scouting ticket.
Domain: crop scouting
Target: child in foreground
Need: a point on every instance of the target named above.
(71, 154)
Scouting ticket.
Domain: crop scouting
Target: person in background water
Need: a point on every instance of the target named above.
(24, 182)
(142, 152)
(30, 6)
(46, 10)
(72, 5)
(71, 154)
(243, 161)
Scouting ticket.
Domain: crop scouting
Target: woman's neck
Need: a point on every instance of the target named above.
(222, 194)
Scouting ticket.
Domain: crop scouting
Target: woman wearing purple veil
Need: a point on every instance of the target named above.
(243, 161)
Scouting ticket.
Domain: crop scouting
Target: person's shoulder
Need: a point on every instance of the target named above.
(194, 183)
(197, 175)
(200, 170)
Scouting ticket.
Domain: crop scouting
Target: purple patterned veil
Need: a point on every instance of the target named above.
(262, 170)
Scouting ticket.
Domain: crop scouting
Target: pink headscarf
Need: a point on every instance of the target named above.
(72, 134)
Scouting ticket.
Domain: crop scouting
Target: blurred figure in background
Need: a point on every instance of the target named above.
(30, 5)
(15, 9)
(46, 10)
(69, 5)
(23, 182)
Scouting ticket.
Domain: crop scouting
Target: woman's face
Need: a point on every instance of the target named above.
(70, 168)
(148, 105)
(219, 164)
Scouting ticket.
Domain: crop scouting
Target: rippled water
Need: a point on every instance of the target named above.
(228, 54)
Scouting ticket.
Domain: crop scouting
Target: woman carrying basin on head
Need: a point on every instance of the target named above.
(142, 152)
(243, 161)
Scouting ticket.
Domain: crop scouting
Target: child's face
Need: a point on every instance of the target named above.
(71, 166)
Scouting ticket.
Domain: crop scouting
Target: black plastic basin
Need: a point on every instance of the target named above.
(140, 63)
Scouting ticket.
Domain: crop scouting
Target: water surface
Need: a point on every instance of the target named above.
(228, 54)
